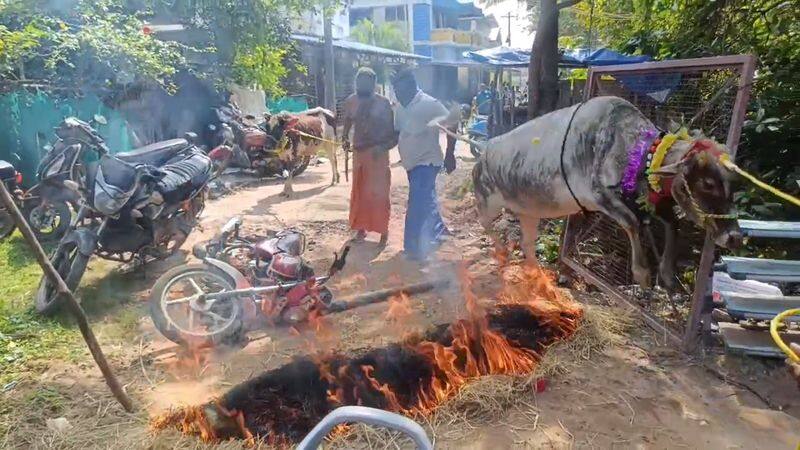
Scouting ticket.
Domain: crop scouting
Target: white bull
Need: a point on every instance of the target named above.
(575, 157)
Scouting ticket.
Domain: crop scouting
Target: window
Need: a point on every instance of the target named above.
(359, 14)
(395, 14)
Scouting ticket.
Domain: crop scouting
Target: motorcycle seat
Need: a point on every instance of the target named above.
(184, 175)
(156, 153)
(6, 170)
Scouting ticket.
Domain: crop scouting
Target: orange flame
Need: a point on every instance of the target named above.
(399, 308)
(473, 349)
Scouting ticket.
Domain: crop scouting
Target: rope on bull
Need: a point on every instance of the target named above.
(730, 165)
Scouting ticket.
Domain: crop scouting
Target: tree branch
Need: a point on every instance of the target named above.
(567, 3)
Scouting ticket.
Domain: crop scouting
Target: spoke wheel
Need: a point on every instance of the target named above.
(183, 318)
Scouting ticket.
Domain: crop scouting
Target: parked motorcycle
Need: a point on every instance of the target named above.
(47, 204)
(134, 206)
(239, 284)
(13, 181)
(478, 131)
(246, 142)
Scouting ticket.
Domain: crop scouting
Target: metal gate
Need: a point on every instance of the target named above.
(706, 93)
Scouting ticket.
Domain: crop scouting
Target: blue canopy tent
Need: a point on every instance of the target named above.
(512, 57)
(501, 58)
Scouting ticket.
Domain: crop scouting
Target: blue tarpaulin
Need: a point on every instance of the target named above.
(511, 57)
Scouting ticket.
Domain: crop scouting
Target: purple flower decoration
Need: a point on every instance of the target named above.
(635, 160)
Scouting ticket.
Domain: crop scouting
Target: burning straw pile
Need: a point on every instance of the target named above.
(412, 377)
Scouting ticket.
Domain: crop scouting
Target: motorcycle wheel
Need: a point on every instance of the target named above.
(7, 224)
(49, 222)
(475, 150)
(187, 322)
(71, 264)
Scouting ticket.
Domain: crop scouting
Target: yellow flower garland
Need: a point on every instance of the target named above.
(661, 152)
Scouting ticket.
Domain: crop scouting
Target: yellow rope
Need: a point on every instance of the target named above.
(311, 136)
(730, 165)
(773, 330)
(658, 158)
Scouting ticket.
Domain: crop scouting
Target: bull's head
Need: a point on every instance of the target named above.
(701, 186)
(276, 124)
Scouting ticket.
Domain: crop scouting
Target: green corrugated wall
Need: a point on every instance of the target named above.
(27, 120)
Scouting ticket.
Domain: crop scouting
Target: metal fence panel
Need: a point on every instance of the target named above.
(706, 93)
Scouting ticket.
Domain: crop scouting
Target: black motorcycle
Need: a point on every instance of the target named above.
(46, 205)
(13, 181)
(135, 206)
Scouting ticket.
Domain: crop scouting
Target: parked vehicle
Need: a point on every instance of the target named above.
(478, 131)
(251, 144)
(48, 205)
(134, 206)
(238, 284)
(13, 181)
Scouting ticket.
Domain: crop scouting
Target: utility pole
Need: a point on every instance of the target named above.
(508, 17)
(327, 57)
(410, 22)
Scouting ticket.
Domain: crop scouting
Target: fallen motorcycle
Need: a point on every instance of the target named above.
(13, 181)
(134, 206)
(245, 142)
(238, 285)
(244, 284)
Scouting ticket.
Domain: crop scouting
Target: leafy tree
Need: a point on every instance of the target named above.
(386, 35)
(91, 42)
(769, 29)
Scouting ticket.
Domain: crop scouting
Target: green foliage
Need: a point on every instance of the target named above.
(262, 66)
(769, 29)
(101, 43)
(15, 45)
(94, 42)
(386, 35)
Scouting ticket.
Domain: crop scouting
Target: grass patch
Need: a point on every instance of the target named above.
(29, 343)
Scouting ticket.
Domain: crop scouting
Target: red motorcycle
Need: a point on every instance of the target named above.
(246, 142)
(239, 284)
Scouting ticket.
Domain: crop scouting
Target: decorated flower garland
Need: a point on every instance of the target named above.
(636, 159)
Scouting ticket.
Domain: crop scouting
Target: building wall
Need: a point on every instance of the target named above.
(311, 23)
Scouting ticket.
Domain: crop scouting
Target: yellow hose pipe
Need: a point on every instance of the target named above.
(773, 331)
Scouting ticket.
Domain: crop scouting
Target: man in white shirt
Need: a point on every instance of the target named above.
(421, 156)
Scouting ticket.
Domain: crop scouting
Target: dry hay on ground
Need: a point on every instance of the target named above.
(490, 399)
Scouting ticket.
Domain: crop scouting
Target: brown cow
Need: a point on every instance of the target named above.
(297, 128)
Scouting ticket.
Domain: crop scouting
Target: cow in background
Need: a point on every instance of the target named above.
(305, 134)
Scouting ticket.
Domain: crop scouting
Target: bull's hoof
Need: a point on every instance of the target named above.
(642, 277)
(667, 279)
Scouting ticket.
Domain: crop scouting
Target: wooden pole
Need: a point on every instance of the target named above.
(382, 295)
(703, 277)
(73, 305)
(328, 62)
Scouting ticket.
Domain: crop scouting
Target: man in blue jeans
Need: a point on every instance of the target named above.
(421, 156)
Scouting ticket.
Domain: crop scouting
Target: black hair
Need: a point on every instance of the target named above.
(404, 75)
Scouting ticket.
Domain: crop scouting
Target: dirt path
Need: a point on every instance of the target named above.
(638, 393)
